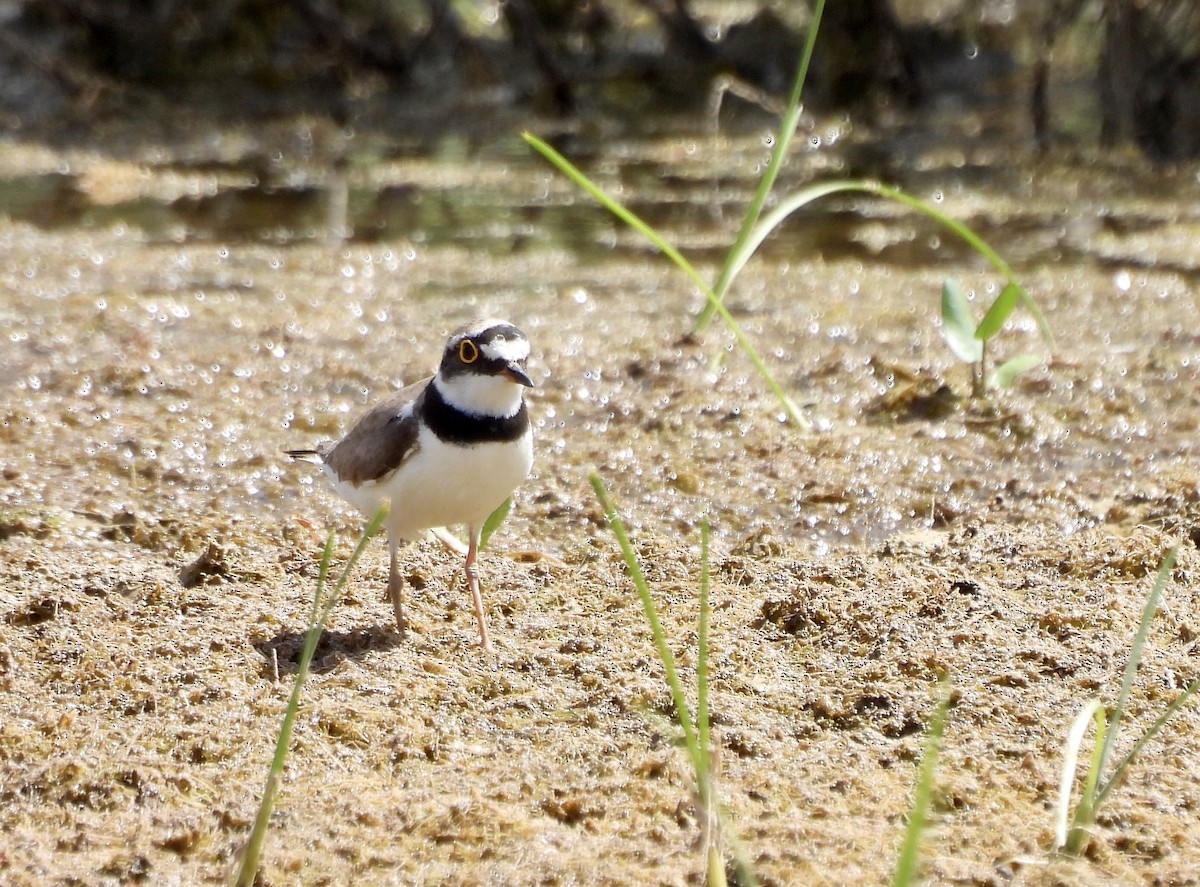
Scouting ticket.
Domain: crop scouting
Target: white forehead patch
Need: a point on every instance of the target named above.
(478, 327)
(505, 349)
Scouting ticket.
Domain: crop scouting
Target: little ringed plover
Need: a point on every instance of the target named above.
(444, 451)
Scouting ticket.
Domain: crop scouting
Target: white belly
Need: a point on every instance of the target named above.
(443, 485)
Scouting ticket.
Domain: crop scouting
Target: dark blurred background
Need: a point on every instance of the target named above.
(1110, 72)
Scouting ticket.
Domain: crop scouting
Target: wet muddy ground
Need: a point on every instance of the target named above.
(159, 552)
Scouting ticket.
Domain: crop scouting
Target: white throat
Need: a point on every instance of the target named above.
(493, 396)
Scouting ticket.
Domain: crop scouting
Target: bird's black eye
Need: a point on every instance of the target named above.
(467, 351)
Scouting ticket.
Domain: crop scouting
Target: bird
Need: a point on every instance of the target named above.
(444, 451)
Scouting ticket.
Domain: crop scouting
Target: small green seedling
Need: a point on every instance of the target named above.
(969, 341)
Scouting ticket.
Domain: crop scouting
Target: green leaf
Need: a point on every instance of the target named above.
(495, 519)
(1149, 733)
(1008, 371)
(957, 327)
(999, 312)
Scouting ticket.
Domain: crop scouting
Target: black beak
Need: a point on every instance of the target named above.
(514, 372)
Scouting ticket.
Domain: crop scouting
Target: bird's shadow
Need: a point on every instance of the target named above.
(281, 654)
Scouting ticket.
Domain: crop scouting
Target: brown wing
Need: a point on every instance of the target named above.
(380, 441)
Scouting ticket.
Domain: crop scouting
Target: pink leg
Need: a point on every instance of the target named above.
(396, 588)
(473, 581)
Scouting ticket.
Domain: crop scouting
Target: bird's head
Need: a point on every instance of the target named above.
(483, 368)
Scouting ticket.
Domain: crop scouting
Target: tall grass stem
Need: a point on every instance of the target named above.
(702, 724)
(1135, 654)
(322, 606)
(717, 831)
(918, 814)
(787, 130)
(616, 208)
(1070, 763)
(698, 756)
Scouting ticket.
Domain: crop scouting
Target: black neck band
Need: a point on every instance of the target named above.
(453, 425)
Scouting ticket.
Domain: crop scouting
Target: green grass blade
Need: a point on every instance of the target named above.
(744, 872)
(1177, 703)
(918, 815)
(702, 726)
(696, 732)
(995, 317)
(613, 206)
(958, 327)
(792, 202)
(682, 715)
(787, 131)
(258, 832)
(617, 209)
(248, 867)
(714, 867)
(373, 527)
(714, 861)
(1085, 810)
(1070, 763)
(1097, 787)
(322, 577)
(495, 519)
(1135, 656)
(742, 253)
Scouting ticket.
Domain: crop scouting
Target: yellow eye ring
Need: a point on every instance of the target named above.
(467, 351)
